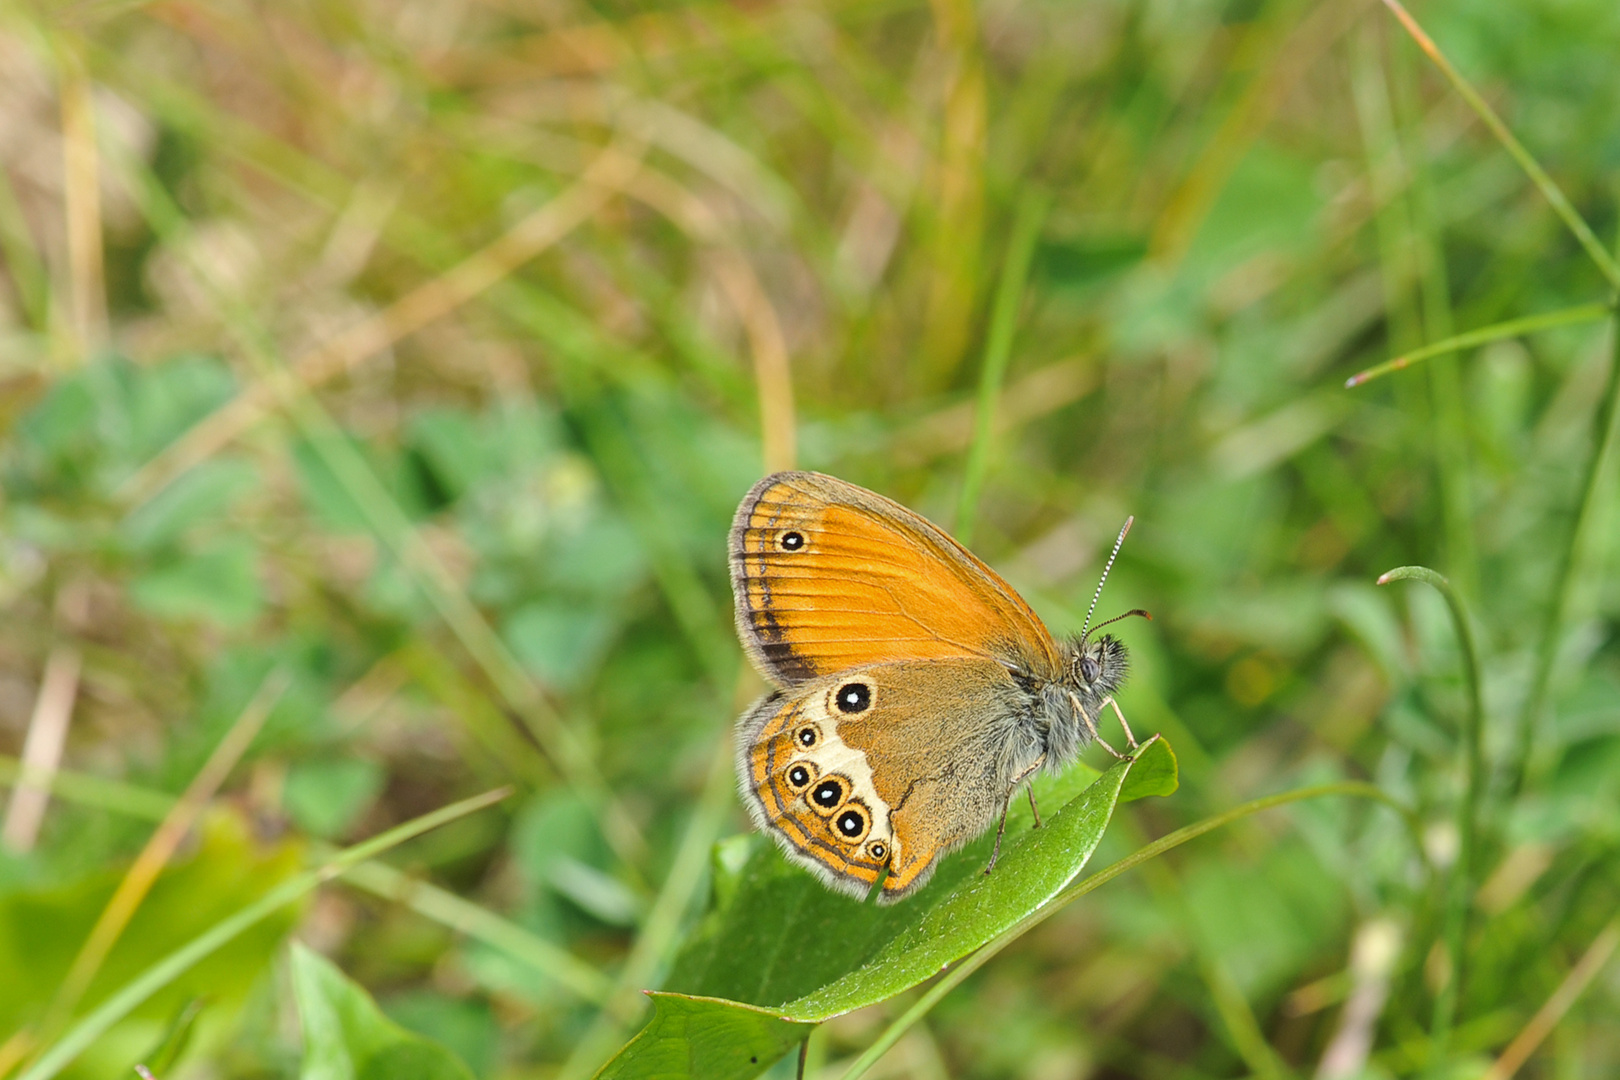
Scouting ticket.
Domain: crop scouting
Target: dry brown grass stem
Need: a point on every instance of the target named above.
(81, 208)
(144, 871)
(428, 302)
(42, 748)
(773, 373)
(1547, 1017)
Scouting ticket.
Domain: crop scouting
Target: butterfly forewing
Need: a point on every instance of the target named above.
(828, 576)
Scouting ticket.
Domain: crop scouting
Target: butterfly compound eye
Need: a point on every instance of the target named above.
(1089, 669)
(792, 540)
(853, 697)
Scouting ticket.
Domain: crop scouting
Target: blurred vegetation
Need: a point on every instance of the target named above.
(377, 382)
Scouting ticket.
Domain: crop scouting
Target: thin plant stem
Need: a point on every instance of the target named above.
(1541, 1025)
(564, 746)
(143, 872)
(1026, 231)
(1549, 190)
(1512, 328)
(1461, 884)
(449, 910)
(140, 989)
(377, 878)
(956, 975)
(1597, 439)
(100, 793)
(1450, 432)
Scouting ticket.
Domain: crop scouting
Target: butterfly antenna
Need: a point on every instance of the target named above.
(1112, 555)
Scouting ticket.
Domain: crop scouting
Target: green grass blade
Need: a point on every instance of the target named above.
(1026, 231)
(1550, 190)
(1512, 328)
(1460, 894)
(165, 971)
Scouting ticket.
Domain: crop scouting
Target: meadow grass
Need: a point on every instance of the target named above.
(377, 383)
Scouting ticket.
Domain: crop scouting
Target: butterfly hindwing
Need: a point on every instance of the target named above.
(884, 767)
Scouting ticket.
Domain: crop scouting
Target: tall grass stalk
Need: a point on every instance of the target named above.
(1026, 232)
(1526, 766)
(1460, 893)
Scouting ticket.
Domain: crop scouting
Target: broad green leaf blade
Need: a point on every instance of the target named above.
(1153, 772)
(1030, 873)
(782, 935)
(784, 941)
(346, 1037)
(706, 1039)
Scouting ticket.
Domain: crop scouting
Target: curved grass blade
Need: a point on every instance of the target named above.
(1461, 891)
(1484, 335)
(1549, 190)
(165, 971)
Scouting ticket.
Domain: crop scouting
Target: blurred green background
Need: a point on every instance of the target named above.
(388, 373)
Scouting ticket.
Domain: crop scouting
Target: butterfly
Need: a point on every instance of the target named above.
(915, 689)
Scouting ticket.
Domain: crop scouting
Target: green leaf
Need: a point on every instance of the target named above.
(705, 1037)
(797, 952)
(42, 928)
(219, 584)
(325, 796)
(1152, 773)
(347, 1037)
(207, 490)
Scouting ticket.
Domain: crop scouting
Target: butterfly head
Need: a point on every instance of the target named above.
(1098, 666)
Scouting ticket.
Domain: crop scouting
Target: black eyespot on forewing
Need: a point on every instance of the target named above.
(829, 793)
(791, 540)
(853, 697)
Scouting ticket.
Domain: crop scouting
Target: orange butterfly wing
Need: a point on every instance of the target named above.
(905, 789)
(828, 575)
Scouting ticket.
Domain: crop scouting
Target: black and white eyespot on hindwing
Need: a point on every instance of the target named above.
(829, 794)
(853, 697)
(852, 823)
(799, 775)
(878, 850)
(807, 736)
(790, 541)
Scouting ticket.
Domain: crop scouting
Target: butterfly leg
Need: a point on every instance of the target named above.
(1036, 810)
(1001, 826)
(1091, 726)
(1130, 738)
